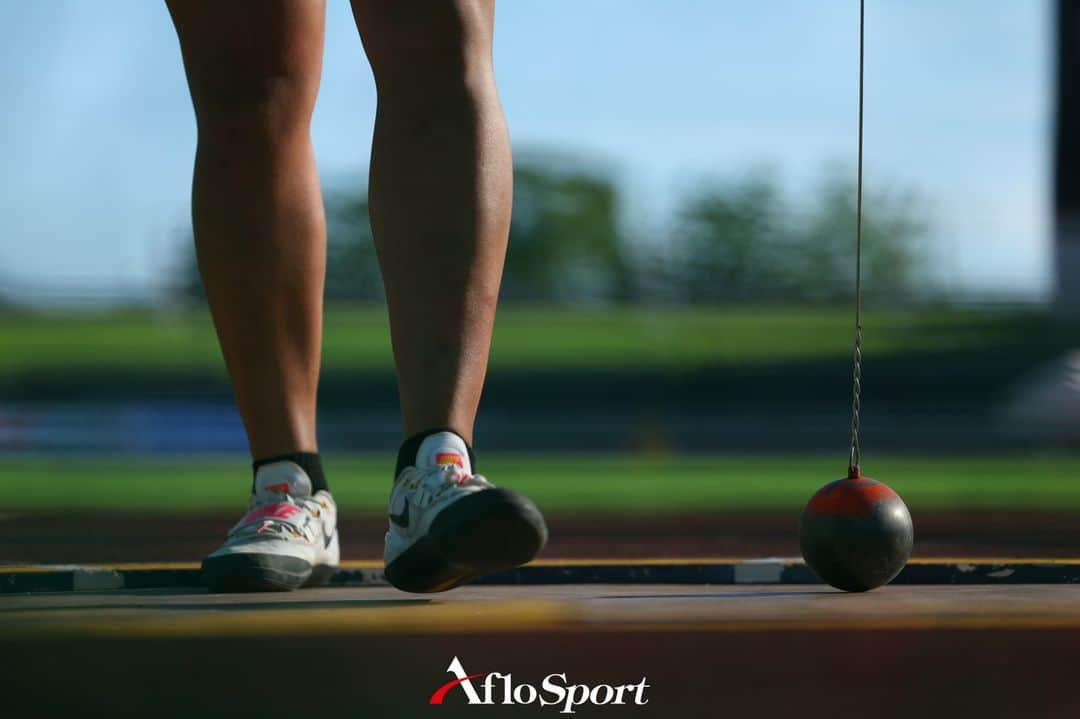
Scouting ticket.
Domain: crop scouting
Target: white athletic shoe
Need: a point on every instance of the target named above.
(448, 525)
(288, 539)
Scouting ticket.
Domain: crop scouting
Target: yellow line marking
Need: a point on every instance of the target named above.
(1010, 623)
(995, 560)
(598, 562)
(418, 616)
(477, 617)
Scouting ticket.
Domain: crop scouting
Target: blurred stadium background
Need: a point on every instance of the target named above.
(677, 301)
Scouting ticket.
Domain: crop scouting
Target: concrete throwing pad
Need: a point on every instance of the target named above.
(702, 650)
(599, 607)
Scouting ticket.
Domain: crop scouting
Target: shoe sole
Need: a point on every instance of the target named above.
(484, 532)
(262, 573)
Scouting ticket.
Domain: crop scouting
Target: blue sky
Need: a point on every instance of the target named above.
(97, 134)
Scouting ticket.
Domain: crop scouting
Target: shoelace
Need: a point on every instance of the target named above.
(273, 526)
(431, 483)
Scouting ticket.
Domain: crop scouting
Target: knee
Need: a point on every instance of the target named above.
(237, 109)
(430, 45)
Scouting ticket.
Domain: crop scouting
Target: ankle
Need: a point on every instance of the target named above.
(410, 448)
(310, 462)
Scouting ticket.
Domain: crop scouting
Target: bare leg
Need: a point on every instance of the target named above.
(253, 68)
(440, 193)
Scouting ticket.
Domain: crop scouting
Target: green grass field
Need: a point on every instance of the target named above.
(553, 339)
(357, 337)
(558, 483)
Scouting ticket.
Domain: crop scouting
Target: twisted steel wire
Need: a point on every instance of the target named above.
(856, 385)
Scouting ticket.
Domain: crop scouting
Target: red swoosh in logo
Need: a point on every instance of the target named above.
(440, 693)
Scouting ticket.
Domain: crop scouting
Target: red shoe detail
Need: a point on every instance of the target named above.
(443, 458)
(282, 510)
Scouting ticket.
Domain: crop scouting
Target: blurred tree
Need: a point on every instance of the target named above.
(185, 285)
(894, 229)
(730, 240)
(744, 240)
(565, 241)
(565, 244)
(352, 267)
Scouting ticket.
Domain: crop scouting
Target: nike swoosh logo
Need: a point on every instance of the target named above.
(401, 520)
(329, 538)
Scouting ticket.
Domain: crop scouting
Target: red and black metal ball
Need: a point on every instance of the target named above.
(856, 533)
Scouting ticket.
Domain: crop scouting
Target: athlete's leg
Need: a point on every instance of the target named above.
(253, 68)
(440, 193)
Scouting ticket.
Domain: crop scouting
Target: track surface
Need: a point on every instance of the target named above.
(111, 538)
(705, 651)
